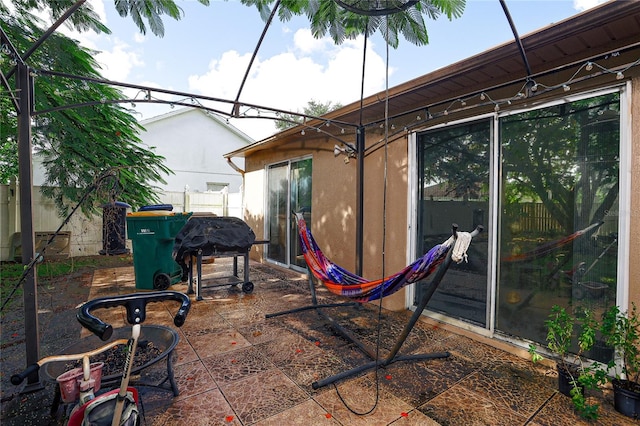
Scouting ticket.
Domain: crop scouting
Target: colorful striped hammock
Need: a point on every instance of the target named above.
(344, 283)
(545, 248)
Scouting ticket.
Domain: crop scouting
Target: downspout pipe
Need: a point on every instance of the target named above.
(235, 167)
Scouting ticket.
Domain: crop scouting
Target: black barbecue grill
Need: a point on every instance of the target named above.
(214, 237)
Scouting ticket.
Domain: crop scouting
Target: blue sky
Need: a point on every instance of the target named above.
(207, 52)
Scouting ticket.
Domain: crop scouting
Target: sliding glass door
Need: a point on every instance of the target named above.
(453, 176)
(289, 189)
(559, 221)
(554, 196)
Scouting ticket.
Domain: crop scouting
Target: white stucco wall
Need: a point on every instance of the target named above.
(193, 142)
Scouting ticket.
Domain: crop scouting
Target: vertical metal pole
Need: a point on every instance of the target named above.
(32, 340)
(360, 136)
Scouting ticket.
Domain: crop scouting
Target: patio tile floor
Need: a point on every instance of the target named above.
(235, 367)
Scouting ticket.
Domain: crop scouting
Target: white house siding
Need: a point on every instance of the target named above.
(192, 142)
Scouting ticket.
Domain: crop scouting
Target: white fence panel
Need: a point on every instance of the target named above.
(86, 233)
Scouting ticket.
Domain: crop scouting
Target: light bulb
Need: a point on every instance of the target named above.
(589, 66)
(496, 108)
(566, 87)
(482, 97)
(619, 75)
(418, 117)
(302, 132)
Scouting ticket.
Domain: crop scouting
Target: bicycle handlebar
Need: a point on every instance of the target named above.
(16, 379)
(136, 310)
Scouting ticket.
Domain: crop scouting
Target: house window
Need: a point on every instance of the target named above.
(217, 186)
(289, 189)
(555, 204)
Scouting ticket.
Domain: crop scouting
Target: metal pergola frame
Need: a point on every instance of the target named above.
(23, 102)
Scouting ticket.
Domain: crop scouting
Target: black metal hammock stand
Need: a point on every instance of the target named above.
(437, 260)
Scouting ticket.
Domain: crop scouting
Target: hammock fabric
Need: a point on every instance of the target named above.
(344, 283)
(545, 248)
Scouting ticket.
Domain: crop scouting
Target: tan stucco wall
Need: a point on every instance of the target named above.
(334, 204)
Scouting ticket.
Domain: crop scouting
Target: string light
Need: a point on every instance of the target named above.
(530, 88)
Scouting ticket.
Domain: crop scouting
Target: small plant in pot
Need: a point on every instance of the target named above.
(621, 330)
(575, 374)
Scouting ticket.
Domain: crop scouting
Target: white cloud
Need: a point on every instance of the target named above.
(307, 43)
(98, 7)
(314, 69)
(586, 4)
(118, 62)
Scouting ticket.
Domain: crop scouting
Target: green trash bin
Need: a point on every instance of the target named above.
(152, 234)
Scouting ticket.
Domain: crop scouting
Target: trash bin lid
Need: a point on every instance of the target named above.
(167, 207)
(152, 213)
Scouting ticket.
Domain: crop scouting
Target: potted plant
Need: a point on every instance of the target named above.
(575, 374)
(621, 330)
